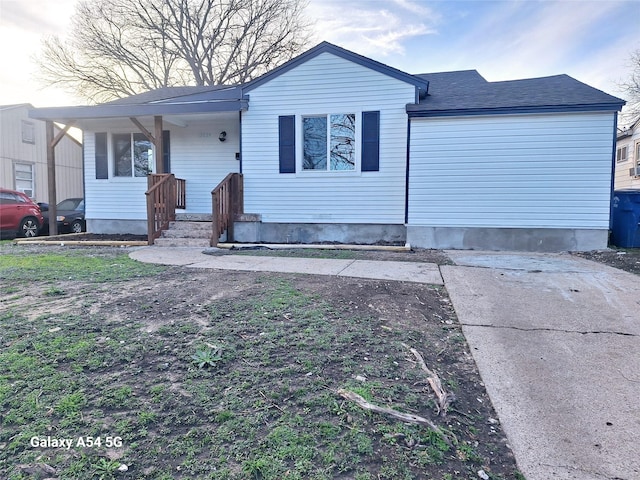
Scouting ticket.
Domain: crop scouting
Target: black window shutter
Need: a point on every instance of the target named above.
(287, 139)
(166, 148)
(102, 159)
(370, 141)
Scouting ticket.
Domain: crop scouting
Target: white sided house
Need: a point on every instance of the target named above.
(23, 156)
(628, 158)
(335, 147)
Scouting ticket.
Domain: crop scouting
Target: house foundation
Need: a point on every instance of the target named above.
(116, 227)
(508, 239)
(365, 234)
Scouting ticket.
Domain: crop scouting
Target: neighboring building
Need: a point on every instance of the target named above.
(23, 157)
(334, 146)
(628, 158)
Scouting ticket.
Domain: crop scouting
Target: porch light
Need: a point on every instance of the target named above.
(223, 136)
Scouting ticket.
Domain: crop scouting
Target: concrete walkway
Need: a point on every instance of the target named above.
(556, 339)
(193, 257)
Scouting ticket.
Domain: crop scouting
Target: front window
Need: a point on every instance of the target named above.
(132, 154)
(329, 137)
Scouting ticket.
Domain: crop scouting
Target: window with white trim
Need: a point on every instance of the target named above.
(24, 178)
(621, 154)
(132, 155)
(329, 142)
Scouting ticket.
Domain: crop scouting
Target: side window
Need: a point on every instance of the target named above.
(24, 180)
(621, 154)
(7, 198)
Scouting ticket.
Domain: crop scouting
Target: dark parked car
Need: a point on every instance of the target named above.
(19, 215)
(69, 213)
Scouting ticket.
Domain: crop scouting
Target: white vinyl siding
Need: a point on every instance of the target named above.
(196, 155)
(512, 171)
(202, 160)
(122, 198)
(324, 85)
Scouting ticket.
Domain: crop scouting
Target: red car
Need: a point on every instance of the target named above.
(19, 215)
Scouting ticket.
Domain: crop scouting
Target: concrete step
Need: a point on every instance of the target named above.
(186, 233)
(194, 217)
(182, 242)
(189, 225)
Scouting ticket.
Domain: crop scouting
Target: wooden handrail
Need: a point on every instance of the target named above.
(165, 193)
(227, 201)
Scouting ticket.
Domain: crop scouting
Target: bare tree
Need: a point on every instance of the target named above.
(631, 89)
(118, 48)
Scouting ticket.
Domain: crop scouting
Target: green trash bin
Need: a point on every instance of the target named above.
(625, 231)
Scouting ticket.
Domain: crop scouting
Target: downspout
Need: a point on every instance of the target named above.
(240, 140)
(84, 181)
(406, 180)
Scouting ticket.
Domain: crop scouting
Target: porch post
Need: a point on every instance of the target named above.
(158, 144)
(51, 178)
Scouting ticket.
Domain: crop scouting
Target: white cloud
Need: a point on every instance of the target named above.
(418, 8)
(369, 27)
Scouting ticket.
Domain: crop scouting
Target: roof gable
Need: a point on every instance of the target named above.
(326, 47)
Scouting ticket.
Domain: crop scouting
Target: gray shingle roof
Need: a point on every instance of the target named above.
(166, 93)
(467, 90)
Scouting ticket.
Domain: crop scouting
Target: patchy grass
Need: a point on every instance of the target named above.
(186, 374)
(69, 264)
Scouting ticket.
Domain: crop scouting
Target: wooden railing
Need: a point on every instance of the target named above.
(165, 193)
(227, 201)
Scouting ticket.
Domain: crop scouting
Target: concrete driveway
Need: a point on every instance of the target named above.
(557, 343)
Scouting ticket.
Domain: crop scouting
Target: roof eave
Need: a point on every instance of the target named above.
(418, 111)
(124, 111)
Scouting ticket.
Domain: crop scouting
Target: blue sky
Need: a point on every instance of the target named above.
(589, 40)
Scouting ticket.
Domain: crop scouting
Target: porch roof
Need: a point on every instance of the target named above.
(164, 101)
